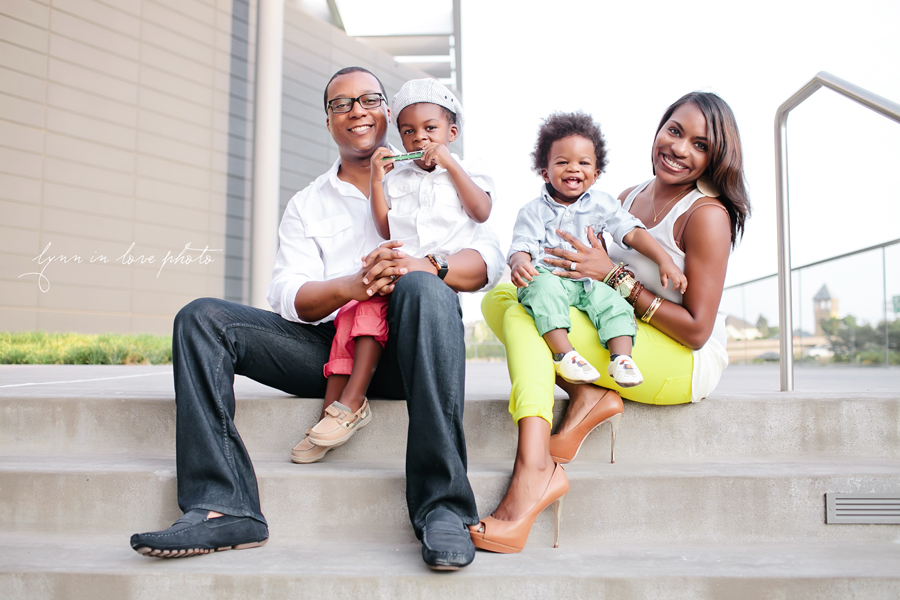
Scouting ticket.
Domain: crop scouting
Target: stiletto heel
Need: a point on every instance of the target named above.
(613, 430)
(564, 447)
(559, 505)
(507, 537)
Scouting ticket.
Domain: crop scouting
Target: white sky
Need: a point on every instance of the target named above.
(624, 62)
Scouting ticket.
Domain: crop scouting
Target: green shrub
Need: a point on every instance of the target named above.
(40, 348)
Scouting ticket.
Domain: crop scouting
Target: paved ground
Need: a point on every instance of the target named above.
(484, 380)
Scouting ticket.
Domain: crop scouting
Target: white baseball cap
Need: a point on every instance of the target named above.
(426, 90)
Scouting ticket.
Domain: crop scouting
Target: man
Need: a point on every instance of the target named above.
(324, 231)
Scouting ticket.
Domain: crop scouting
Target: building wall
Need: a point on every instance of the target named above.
(129, 124)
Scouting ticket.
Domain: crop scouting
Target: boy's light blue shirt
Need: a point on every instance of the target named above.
(538, 221)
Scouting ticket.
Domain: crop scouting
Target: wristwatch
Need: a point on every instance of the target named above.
(440, 263)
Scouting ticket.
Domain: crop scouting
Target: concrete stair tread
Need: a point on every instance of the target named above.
(106, 566)
(281, 466)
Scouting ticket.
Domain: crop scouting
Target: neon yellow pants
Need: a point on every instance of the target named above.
(665, 364)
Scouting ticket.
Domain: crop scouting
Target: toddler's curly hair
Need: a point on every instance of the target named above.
(561, 125)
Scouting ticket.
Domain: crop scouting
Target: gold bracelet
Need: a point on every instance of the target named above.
(651, 310)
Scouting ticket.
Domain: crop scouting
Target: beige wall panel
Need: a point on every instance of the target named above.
(65, 172)
(198, 93)
(92, 105)
(21, 189)
(22, 85)
(161, 240)
(23, 34)
(23, 111)
(167, 104)
(94, 35)
(95, 130)
(170, 193)
(165, 126)
(149, 166)
(70, 243)
(204, 12)
(301, 98)
(173, 280)
(91, 81)
(22, 60)
(161, 214)
(27, 10)
(99, 155)
(152, 325)
(76, 297)
(64, 321)
(101, 14)
(16, 214)
(17, 292)
(20, 163)
(96, 276)
(309, 61)
(317, 133)
(93, 58)
(202, 32)
(189, 154)
(307, 26)
(14, 320)
(164, 60)
(56, 220)
(29, 139)
(200, 52)
(89, 201)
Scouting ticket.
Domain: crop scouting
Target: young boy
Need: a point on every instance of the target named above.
(569, 156)
(431, 204)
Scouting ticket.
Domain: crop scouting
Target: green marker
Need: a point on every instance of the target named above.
(410, 156)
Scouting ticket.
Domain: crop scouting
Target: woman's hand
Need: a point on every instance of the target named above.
(588, 261)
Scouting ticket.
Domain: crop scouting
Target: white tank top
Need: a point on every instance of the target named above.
(710, 360)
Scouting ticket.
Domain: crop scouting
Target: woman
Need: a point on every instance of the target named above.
(695, 207)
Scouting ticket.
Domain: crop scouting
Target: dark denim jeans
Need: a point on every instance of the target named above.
(424, 362)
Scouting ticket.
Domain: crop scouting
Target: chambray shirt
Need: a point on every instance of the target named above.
(426, 212)
(538, 221)
(326, 230)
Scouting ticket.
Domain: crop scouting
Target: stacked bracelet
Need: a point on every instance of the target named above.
(623, 281)
(635, 293)
(651, 310)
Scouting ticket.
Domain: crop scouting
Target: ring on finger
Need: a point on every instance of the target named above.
(393, 277)
(573, 265)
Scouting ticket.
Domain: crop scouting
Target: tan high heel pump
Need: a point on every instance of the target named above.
(564, 447)
(508, 537)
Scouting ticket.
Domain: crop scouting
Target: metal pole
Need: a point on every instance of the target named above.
(882, 106)
(887, 362)
(266, 148)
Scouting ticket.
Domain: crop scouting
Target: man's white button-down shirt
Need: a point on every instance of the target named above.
(326, 230)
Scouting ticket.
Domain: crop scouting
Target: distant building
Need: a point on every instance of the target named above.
(739, 329)
(824, 308)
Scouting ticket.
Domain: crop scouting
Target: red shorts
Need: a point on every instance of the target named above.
(355, 319)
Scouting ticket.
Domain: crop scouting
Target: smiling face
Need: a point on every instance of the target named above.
(424, 123)
(681, 148)
(359, 132)
(571, 169)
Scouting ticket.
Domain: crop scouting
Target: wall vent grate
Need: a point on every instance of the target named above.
(862, 508)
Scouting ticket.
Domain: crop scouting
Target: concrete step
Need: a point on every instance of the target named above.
(738, 501)
(137, 416)
(57, 566)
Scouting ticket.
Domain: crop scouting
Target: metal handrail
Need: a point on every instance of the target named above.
(882, 106)
(816, 263)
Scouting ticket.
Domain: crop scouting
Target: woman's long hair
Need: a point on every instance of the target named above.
(726, 164)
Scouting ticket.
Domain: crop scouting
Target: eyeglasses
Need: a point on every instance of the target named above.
(345, 105)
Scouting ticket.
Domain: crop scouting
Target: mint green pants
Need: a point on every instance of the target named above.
(548, 298)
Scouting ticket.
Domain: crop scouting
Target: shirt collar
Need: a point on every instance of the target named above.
(549, 199)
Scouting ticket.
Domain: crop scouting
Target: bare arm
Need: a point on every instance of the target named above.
(643, 242)
(475, 201)
(377, 200)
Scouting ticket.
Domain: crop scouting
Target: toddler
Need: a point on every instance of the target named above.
(433, 205)
(569, 156)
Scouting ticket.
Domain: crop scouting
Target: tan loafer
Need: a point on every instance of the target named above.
(339, 424)
(306, 452)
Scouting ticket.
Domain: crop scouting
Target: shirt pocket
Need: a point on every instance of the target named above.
(403, 197)
(329, 232)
